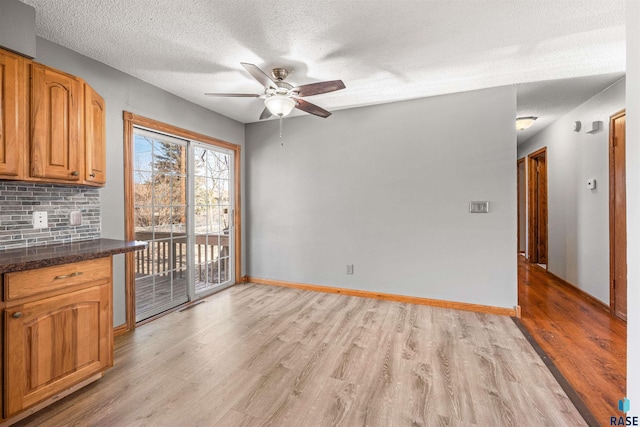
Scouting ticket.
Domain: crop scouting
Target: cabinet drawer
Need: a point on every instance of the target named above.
(23, 284)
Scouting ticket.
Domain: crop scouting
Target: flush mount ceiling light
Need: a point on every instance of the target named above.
(279, 105)
(523, 123)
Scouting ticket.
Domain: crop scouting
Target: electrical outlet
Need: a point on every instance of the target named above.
(40, 219)
(349, 268)
(75, 218)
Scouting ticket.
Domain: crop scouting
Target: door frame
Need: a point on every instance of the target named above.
(131, 120)
(533, 254)
(519, 194)
(613, 214)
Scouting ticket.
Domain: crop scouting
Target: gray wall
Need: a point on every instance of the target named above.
(387, 188)
(123, 92)
(578, 219)
(17, 27)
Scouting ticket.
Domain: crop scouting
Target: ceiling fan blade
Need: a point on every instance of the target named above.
(259, 75)
(310, 108)
(318, 88)
(265, 114)
(235, 95)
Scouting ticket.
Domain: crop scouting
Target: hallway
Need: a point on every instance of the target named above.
(585, 342)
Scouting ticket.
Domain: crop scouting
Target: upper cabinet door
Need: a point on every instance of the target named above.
(13, 115)
(56, 113)
(95, 137)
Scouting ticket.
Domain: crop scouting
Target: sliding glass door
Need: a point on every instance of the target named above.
(213, 265)
(182, 209)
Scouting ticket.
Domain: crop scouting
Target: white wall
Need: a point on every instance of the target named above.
(578, 221)
(633, 205)
(123, 92)
(387, 188)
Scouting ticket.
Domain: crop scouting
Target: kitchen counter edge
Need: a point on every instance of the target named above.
(31, 257)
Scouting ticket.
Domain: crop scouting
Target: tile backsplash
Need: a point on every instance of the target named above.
(18, 201)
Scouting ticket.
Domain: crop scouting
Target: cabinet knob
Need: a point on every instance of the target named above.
(17, 315)
(75, 173)
(92, 175)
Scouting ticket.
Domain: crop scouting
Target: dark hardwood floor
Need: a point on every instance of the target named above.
(586, 343)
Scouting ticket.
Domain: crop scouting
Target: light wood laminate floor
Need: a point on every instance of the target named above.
(256, 355)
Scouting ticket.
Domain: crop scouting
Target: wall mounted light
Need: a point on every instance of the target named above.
(577, 126)
(523, 123)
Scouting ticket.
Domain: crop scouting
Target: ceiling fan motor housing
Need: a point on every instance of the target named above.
(279, 73)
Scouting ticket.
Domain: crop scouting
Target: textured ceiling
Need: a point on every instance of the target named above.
(383, 50)
(549, 100)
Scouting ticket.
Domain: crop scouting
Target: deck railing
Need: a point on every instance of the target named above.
(166, 254)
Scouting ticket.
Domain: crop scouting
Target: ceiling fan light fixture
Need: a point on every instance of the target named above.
(280, 105)
(523, 123)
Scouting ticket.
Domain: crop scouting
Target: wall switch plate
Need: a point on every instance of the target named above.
(591, 184)
(75, 218)
(349, 268)
(40, 219)
(479, 207)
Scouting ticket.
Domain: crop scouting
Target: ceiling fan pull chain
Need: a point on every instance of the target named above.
(281, 142)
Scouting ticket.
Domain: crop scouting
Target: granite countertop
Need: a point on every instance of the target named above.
(62, 253)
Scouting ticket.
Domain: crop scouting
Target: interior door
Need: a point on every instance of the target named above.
(537, 181)
(213, 241)
(618, 216)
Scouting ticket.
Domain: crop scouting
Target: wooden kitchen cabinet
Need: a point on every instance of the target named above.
(56, 124)
(95, 137)
(52, 125)
(13, 115)
(58, 334)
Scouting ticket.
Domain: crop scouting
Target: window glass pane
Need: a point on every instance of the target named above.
(142, 153)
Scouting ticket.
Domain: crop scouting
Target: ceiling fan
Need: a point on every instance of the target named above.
(280, 97)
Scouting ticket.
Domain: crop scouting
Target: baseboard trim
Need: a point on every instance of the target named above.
(120, 330)
(512, 312)
(595, 301)
(243, 279)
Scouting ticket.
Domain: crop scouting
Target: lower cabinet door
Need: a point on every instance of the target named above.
(55, 343)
